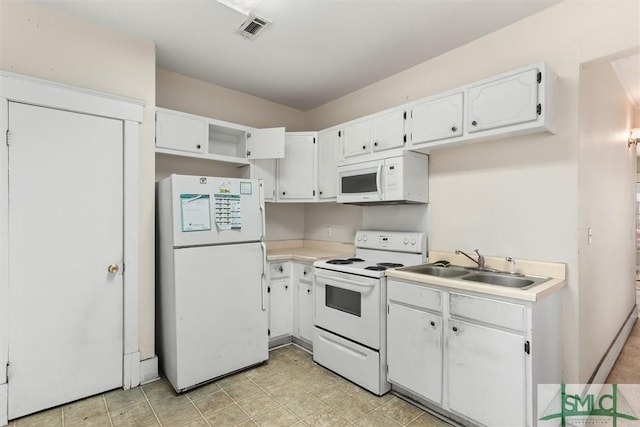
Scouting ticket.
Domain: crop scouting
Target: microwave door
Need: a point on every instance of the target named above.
(379, 181)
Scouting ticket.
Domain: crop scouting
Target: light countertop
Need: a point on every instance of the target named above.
(555, 271)
(307, 250)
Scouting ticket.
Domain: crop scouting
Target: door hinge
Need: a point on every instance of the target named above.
(248, 134)
(404, 115)
(404, 138)
(269, 332)
(314, 192)
(268, 289)
(539, 77)
(314, 140)
(388, 312)
(7, 137)
(539, 109)
(387, 368)
(527, 347)
(6, 373)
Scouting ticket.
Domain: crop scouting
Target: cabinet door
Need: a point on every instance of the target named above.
(486, 374)
(356, 138)
(305, 311)
(327, 170)
(387, 130)
(181, 133)
(504, 102)
(436, 119)
(279, 308)
(266, 143)
(414, 351)
(266, 171)
(296, 171)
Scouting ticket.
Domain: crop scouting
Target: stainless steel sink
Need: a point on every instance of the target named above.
(500, 280)
(473, 274)
(433, 270)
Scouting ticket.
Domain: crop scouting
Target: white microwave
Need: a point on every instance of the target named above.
(401, 179)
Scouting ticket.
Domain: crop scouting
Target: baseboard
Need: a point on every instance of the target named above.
(4, 410)
(609, 359)
(149, 370)
(279, 342)
(303, 343)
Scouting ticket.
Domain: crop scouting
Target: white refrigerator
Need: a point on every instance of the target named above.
(211, 316)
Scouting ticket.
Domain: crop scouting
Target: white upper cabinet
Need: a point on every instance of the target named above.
(387, 130)
(190, 135)
(327, 170)
(356, 138)
(266, 171)
(435, 119)
(296, 171)
(181, 133)
(503, 102)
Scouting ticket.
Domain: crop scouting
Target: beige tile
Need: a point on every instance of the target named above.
(279, 417)
(376, 419)
(231, 379)
(48, 418)
(284, 390)
(270, 382)
(325, 418)
(96, 421)
(200, 422)
(428, 420)
(351, 408)
(370, 398)
(137, 415)
(81, 410)
(262, 371)
(202, 391)
(118, 399)
(303, 405)
(160, 387)
(213, 402)
(332, 395)
(318, 384)
(229, 416)
(257, 404)
(173, 410)
(249, 423)
(400, 411)
(242, 390)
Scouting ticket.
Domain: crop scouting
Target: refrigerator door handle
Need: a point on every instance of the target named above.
(263, 278)
(262, 211)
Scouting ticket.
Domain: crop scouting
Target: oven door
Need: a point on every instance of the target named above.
(360, 182)
(349, 305)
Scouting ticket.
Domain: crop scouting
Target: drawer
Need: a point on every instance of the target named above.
(278, 269)
(304, 272)
(500, 313)
(414, 295)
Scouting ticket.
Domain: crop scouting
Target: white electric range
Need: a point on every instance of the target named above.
(350, 305)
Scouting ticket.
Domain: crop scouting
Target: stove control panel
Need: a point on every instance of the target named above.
(400, 241)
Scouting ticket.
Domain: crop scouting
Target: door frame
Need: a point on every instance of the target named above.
(28, 90)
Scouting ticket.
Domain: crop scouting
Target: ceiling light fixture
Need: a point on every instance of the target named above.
(634, 137)
(243, 6)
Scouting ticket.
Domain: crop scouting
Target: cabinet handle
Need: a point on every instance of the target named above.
(280, 269)
(454, 128)
(364, 147)
(455, 329)
(308, 291)
(375, 144)
(304, 272)
(286, 287)
(433, 323)
(474, 123)
(198, 146)
(248, 153)
(321, 192)
(284, 192)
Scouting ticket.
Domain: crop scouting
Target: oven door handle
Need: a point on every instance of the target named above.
(340, 282)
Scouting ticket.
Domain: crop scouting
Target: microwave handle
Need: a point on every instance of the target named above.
(379, 179)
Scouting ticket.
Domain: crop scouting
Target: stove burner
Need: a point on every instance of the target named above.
(356, 259)
(340, 261)
(390, 264)
(376, 268)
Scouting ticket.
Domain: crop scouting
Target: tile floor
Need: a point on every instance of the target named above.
(290, 389)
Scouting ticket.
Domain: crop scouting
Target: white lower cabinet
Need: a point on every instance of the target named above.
(280, 300)
(477, 358)
(303, 277)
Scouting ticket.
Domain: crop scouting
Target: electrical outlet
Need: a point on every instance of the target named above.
(327, 231)
(589, 236)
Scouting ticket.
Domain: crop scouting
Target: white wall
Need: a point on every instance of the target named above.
(285, 221)
(40, 42)
(607, 207)
(344, 221)
(517, 196)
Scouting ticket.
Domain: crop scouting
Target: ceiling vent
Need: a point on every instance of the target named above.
(253, 26)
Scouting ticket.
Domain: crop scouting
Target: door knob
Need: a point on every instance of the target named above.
(113, 268)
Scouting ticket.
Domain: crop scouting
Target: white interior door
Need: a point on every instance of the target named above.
(65, 230)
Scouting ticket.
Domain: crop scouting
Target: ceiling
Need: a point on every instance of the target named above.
(314, 51)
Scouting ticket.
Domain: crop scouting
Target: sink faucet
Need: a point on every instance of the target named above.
(479, 262)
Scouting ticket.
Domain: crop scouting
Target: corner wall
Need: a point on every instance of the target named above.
(518, 196)
(38, 41)
(607, 205)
